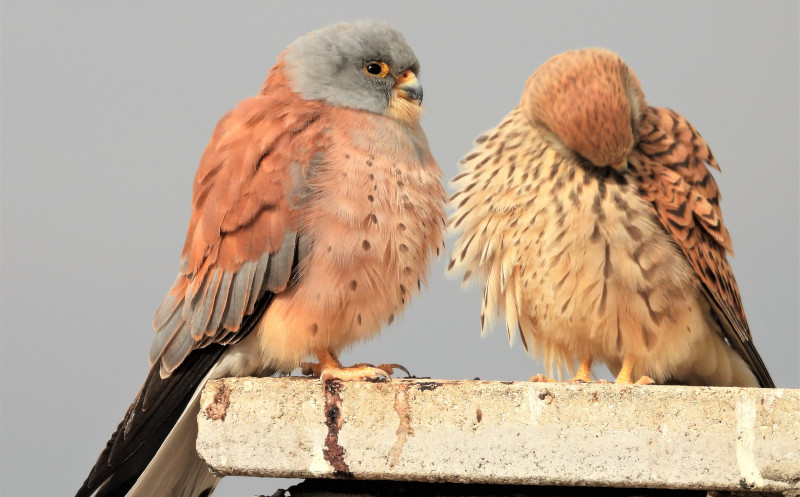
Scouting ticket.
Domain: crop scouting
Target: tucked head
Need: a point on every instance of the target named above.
(363, 65)
(590, 101)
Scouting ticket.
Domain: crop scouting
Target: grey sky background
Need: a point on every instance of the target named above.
(106, 109)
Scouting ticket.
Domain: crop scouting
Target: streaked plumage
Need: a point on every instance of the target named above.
(316, 208)
(589, 259)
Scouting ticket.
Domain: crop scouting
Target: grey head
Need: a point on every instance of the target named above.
(359, 64)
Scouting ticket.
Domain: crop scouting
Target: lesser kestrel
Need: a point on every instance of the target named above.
(594, 225)
(316, 208)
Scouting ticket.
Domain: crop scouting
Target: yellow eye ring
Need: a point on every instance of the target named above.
(376, 69)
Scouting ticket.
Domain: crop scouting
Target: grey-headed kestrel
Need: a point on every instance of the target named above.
(316, 209)
(594, 225)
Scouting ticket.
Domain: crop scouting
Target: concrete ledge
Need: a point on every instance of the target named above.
(513, 433)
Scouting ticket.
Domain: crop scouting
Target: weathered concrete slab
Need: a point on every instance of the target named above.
(504, 433)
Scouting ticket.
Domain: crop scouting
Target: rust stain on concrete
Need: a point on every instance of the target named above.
(332, 451)
(222, 399)
(404, 429)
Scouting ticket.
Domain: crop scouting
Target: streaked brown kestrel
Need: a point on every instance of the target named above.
(594, 225)
(316, 209)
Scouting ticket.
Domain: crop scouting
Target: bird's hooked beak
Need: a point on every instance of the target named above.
(407, 86)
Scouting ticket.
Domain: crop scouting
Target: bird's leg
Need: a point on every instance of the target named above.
(584, 374)
(326, 360)
(624, 376)
(329, 368)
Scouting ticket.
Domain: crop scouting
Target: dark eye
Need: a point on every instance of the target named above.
(376, 68)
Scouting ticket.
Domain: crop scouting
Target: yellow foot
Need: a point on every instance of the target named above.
(329, 368)
(389, 368)
(624, 375)
(644, 380)
(584, 374)
(312, 369)
(540, 378)
(355, 373)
